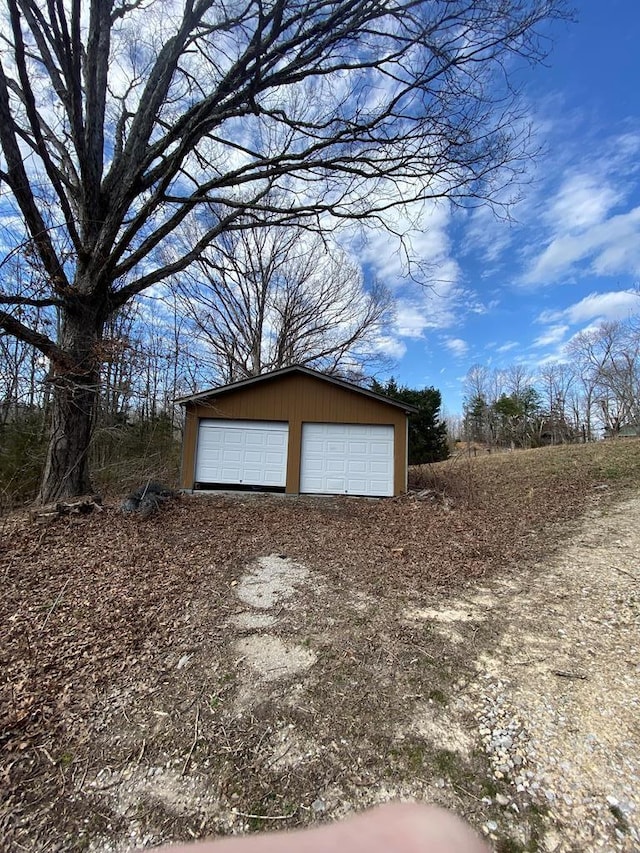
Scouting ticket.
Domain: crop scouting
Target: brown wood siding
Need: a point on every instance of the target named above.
(189, 438)
(297, 399)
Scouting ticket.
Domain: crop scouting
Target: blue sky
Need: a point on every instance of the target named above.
(506, 292)
(516, 292)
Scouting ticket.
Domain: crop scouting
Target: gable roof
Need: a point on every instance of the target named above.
(305, 371)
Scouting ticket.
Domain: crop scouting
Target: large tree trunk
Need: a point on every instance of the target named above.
(73, 406)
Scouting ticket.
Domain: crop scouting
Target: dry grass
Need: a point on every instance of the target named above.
(97, 612)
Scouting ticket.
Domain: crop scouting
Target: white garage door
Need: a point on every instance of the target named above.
(245, 453)
(347, 459)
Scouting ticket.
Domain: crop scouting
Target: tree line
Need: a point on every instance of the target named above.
(592, 391)
(252, 302)
(160, 349)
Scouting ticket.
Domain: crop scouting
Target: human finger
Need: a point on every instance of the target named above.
(391, 828)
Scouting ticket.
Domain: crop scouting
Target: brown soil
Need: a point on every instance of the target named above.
(239, 663)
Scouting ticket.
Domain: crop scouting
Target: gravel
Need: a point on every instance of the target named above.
(557, 709)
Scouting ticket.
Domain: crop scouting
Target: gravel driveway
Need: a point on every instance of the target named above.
(558, 700)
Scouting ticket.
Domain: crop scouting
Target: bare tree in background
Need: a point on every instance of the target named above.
(517, 379)
(119, 119)
(608, 361)
(145, 361)
(22, 368)
(478, 402)
(620, 379)
(265, 298)
(556, 381)
(22, 371)
(501, 407)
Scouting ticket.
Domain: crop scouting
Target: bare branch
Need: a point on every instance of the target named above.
(268, 297)
(122, 121)
(41, 342)
(35, 125)
(18, 181)
(33, 302)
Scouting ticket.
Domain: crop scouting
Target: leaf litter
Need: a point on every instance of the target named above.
(142, 699)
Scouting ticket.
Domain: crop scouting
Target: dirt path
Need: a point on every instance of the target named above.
(516, 703)
(558, 699)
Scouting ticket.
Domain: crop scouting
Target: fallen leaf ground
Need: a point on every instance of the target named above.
(127, 715)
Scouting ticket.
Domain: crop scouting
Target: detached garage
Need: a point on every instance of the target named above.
(296, 431)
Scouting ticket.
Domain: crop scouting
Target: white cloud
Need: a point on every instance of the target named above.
(581, 219)
(419, 269)
(553, 335)
(582, 201)
(410, 319)
(509, 345)
(488, 234)
(557, 357)
(422, 253)
(430, 308)
(477, 307)
(456, 346)
(614, 305)
(609, 248)
(390, 347)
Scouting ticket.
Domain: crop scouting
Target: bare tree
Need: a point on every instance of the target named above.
(608, 360)
(501, 406)
(620, 382)
(478, 401)
(517, 379)
(582, 350)
(556, 381)
(144, 354)
(265, 298)
(118, 119)
(22, 368)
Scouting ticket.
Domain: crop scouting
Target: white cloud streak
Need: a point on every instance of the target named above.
(553, 335)
(506, 347)
(581, 219)
(608, 248)
(613, 305)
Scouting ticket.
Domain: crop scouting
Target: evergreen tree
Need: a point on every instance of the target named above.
(427, 433)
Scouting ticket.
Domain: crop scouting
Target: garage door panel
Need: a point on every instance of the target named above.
(357, 447)
(274, 439)
(334, 484)
(233, 438)
(336, 447)
(315, 445)
(229, 474)
(242, 452)
(379, 448)
(314, 485)
(355, 459)
(359, 486)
